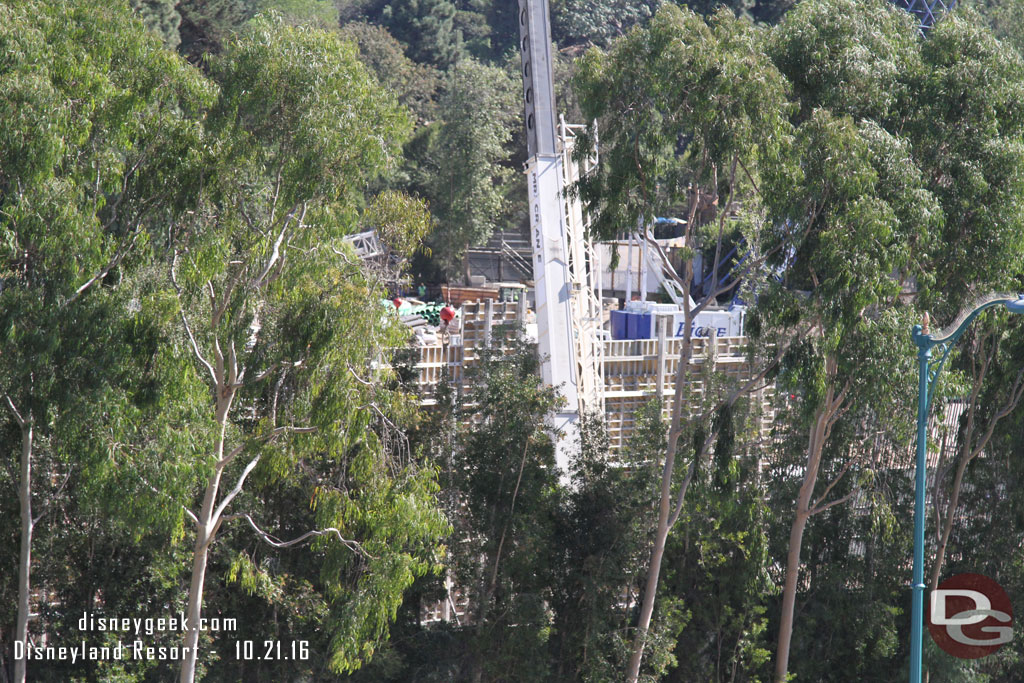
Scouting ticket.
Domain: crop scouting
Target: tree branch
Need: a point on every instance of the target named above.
(832, 484)
(716, 289)
(837, 501)
(191, 515)
(357, 377)
(267, 438)
(275, 254)
(730, 400)
(113, 263)
(508, 520)
(266, 373)
(234, 492)
(354, 546)
(17, 415)
(188, 328)
(49, 503)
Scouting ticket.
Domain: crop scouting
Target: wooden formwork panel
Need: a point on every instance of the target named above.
(474, 324)
(631, 368)
(456, 358)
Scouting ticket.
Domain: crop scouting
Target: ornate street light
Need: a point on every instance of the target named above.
(929, 367)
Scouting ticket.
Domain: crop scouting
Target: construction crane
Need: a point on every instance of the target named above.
(564, 264)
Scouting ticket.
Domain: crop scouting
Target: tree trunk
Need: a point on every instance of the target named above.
(25, 557)
(467, 270)
(205, 529)
(195, 591)
(796, 537)
(947, 523)
(651, 589)
(815, 445)
(664, 510)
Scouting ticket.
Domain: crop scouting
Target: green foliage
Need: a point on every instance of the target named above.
(298, 132)
(467, 156)
(860, 160)
(206, 25)
(967, 128)
(677, 102)
(161, 17)
(427, 27)
(490, 29)
(414, 84)
(95, 155)
(849, 57)
(603, 536)
(322, 14)
(401, 222)
(93, 131)
(503, 481)
(738, 7)
(597, 22)
(297, 101)
(1005, 17)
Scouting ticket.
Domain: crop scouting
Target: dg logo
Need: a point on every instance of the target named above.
(970, 616)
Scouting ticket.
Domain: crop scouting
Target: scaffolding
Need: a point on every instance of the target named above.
(584, 276)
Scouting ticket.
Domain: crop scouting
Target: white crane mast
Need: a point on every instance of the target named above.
(567, 320)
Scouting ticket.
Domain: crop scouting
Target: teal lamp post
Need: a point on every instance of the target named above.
(929, 367)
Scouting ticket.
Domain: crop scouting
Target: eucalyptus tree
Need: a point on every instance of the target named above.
(98, 121)
(924, 201)
(1005, 17)
(974, 156)
(603, 532)
(693, 121)
(965, 121)
(716, 566)
(860, 212)
(278, 315)
(989, 527)
(851, 366)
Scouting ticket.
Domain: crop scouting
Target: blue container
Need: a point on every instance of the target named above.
(618, 320)
(638, 325)
(631, 320)
(643, 326)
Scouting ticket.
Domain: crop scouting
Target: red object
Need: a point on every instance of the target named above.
(397, 302)
(447, 314)
(959, 603)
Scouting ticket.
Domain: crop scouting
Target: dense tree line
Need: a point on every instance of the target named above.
(203, 412)
(178, 373)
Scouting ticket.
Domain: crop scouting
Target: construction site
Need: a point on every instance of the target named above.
(608, 318)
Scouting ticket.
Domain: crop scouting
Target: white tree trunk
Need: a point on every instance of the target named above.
(204, 534)
(653, 574)
(205, 529)
(25, 558)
